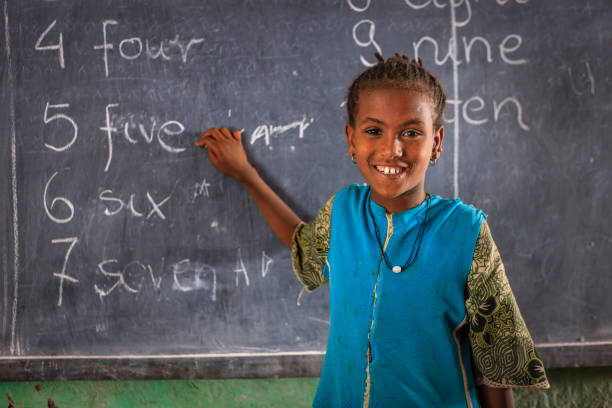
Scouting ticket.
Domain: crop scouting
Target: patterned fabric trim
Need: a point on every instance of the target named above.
(466, 389)
(502, 349)
(310, 247)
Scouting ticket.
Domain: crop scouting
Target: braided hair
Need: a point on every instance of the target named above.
(401, 72)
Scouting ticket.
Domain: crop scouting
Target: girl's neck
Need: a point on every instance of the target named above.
(406, 201)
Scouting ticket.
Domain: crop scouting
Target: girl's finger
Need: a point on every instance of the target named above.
(206, 140)
(202, 141)
(225, 133)
(236, 134)
(213, 134)
(209, 132)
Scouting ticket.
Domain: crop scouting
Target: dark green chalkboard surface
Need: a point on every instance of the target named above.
(124, 254)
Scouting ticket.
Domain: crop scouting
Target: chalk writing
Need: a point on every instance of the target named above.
(62, 274)
(189, 276)
(59, 46)
(241, 269)
(370, 41)
(170, 128)
(477, 104)
(414, 6)
(109, 134)
(64, 200)
(119, 282)
(105, 46)
(132, 48)
(57, 116)
(201, 189)
(155, 206)
(265, 132)
(505, 48)
(356, 8)
(186, 275)
(266, 261)
(519, 111)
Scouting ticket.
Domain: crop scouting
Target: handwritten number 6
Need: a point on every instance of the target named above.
(55, 200)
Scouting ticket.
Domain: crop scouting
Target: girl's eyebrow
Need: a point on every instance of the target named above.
(369, 119)
(415, 121)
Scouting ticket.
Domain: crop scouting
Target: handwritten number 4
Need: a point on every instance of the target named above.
(59, 46)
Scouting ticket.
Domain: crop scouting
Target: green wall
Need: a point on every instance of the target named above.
(571, 387)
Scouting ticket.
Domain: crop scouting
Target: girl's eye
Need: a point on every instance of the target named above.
(373, 131)
(410, 133)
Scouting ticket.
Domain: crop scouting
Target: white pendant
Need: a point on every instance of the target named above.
(397, 269)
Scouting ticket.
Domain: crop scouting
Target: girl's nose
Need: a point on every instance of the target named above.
(393, 147)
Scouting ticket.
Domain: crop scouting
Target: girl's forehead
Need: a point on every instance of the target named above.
(393, 101)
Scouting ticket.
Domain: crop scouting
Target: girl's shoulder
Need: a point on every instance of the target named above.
(456, 204)
(457, 212)
(359, 192)
(355, 193)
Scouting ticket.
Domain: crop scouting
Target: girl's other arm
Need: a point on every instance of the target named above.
(495, 397)
(226, 153)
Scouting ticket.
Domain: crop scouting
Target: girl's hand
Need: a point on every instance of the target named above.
(226, 152)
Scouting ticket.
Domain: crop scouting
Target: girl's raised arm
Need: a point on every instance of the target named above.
(226, 153)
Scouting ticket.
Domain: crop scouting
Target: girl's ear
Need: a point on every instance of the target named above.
(349, 132)
(438, 138)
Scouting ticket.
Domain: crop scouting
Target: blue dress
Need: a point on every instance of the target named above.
(408, 338)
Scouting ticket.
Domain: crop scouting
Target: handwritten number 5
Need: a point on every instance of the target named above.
(47, 119)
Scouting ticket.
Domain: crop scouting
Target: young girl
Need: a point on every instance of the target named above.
(422, 314)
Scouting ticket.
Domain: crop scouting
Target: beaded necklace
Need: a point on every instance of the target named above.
(416, 245)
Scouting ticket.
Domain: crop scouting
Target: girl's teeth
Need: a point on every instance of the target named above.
(388, 170)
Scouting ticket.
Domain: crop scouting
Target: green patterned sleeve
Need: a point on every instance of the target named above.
(310, 247)
(502, 349)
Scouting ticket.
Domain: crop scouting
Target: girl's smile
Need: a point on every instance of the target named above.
(393, 141)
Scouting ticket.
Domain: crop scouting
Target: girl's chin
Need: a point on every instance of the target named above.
(388, 194)
(396, 193)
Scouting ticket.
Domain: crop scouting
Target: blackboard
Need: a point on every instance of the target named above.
(126, 255)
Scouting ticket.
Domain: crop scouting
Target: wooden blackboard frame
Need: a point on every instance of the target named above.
(215, 366)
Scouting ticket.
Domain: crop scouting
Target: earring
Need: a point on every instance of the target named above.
(353, 158)
(435, 157)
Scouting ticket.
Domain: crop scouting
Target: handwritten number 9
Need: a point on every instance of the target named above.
(370, 40)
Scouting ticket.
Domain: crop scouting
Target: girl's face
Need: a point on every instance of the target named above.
(393, 141)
